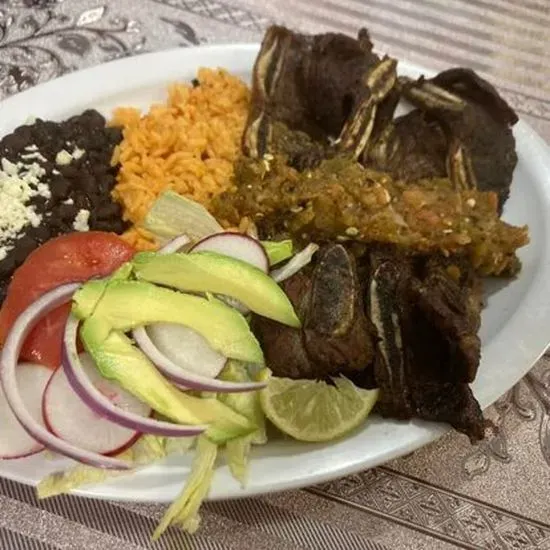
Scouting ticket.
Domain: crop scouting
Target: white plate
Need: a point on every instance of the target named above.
(515, 328)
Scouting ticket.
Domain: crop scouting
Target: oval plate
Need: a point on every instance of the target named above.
(515, 326)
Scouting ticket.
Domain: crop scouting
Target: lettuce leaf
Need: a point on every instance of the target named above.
(237, 450)
(245, 403)
(184, 511)
(237, 454)
(148, 449)
(172, 215)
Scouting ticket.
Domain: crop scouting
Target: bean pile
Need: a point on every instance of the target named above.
(84, 183)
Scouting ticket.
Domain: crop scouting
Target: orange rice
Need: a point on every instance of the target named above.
(188, 144)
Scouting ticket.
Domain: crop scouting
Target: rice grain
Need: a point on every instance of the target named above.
(188, 145)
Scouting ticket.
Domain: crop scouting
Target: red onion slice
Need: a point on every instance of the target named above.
(84, 388)
(184, 378)
(175, 245)
(8, 364)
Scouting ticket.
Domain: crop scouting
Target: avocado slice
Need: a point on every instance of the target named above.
(93, 290)
(211, 272)
(89, 295)
(123, 305)
(278, 251)
(118, 359)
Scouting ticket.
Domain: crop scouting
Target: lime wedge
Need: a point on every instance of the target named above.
(309, 410)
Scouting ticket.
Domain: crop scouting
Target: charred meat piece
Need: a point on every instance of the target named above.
(283, 346)
(445, 302)
(336, 330)
(384, 310)
(451, 403)
(477, 126)
(412, 147)
(339, 97)
(326, 86)
(341, 200)
(426, 314)
(336, 337)
(299, 149)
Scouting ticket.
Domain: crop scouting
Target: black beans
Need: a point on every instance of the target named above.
(108, 211)
(84, 183)
(59, 187)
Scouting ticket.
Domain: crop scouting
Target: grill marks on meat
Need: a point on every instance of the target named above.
(465, 114)
(427, 319)
(317, 88)
(336, 330)
(405, 325)
(336, 337)
(384, 310)
(420, 213)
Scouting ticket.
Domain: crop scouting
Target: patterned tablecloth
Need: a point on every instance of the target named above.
(447, 495)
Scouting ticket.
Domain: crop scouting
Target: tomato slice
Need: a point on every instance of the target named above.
(75, 257)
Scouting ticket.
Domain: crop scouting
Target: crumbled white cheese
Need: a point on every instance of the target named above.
(35, 155)
(77, 153)
(63, 157)
(55, 172)
(19, 183)
(68, 201)
(81, 220)
(31, 148)
(9, 167)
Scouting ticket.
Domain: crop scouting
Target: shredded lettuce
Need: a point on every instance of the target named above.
(63, 482)
(237, 450)
(148, 449)
(172, 215)
(184, 511)
(294, 265)
(237, 454)
(278, 251)
(245, 403)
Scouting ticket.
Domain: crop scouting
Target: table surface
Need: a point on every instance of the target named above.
(448, 494)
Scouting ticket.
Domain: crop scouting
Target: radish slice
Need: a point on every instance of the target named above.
(8, 369)
(186, 348)
(175, 245)
(70, 418)
(97, 401)
(15, 442)
(187, 379)
(236, 245)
